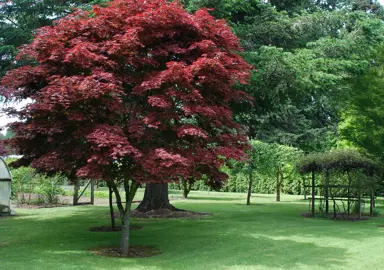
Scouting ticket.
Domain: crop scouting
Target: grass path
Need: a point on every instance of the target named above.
(265, 235)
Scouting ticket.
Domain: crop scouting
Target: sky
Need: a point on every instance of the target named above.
(4, 119)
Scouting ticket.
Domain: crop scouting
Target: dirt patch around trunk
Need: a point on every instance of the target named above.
(166, 213)
(110, 229)
(134, 252)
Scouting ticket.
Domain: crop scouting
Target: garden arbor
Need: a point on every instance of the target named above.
(353, 177)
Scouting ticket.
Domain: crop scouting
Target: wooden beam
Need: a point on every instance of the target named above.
(313, 193)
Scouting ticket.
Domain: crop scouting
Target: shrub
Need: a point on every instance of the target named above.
(48, 189)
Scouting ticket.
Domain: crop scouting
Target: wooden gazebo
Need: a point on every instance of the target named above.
(345, 161)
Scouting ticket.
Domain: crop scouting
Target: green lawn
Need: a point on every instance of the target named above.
(266, 235)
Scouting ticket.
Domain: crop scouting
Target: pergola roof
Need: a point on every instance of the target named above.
(5, 174)
(345, 160)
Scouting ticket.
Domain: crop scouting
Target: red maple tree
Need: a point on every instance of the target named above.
(138, 91)
(3, 152)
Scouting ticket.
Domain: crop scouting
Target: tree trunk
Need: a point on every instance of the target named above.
(92, 192)
(124, 244)
(112, 213)
(371, 202)
(187, 186)
(250, 182)
(155, 197)
(278, 187)
(76, 187)
(326, 195)
(125, 213)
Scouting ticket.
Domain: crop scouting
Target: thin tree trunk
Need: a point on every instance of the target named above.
(92, 192)
(125, 213)
(278, 187)
(250, 182)
(187, 186)
(76, 187)
(371, 203)
(155, 197)
(111, 211)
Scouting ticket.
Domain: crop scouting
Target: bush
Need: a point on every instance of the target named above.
(27, 184)
(238, 182)
(48, 189)
(23, 182)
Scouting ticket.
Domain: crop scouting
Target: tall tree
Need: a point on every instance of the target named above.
(138, 91)
(362, 124)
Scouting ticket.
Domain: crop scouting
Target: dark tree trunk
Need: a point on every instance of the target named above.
(278, 183)
(250, 183)
(92, 192)
(112, 213)
(371, 202)
(187, 186)
(155, 197)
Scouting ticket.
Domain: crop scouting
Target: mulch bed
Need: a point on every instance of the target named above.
(109, 228)
(338, 217)
(166, 213)
(380, 226)
(134, 252)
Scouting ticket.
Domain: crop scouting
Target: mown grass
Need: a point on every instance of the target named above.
(265, 235)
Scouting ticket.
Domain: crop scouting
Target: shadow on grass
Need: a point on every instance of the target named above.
(271, 236)
(207, 198)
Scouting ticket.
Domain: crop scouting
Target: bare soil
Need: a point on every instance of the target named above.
(110, 229)
(134, 252)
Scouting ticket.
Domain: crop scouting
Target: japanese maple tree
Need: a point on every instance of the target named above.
(135, 92)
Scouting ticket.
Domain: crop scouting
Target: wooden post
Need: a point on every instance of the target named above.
(313, 193)
(326, 191)
(349, 194)
(92, 192)
(76, 187)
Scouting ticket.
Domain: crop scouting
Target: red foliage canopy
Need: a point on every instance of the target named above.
(140, 87)
(3, 152)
